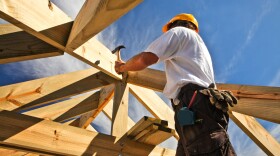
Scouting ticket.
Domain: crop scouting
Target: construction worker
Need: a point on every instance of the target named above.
(201, 117)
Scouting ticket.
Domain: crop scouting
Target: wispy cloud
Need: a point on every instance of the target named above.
(275, 132)
(46, 67)
(267, 7)
(276, 79)
(242, 144)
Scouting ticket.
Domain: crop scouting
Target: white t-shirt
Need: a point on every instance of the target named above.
(186, 59)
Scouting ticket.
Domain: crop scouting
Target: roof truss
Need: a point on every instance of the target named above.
(44, 25)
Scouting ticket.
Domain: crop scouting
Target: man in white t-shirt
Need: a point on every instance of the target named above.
(188, 68)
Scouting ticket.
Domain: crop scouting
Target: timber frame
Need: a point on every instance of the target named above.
(39, 29)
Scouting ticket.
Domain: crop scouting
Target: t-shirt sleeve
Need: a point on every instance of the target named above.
(165, 46)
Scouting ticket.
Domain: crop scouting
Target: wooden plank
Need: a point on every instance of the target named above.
(57, 139)
(150, 131)
(156, 135)
(154, 104)
(143, 124)
(67, 109)
(94, 16)
(264, 109)
(257, 133)
(27, 46)
(36, 16)
(106, 94)
(120, 109)
(37, 92)
(97, 55)
(249, 91)
(11, 152)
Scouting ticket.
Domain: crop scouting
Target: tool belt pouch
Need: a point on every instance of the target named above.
(185, 117)
(221, 99)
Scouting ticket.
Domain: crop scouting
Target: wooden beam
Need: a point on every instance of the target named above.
(35, 17)
(61, 111)
(27, 46)
(260, 108)
(148, 78)
(156, 80)
(253, 100)
(256, 92)
(53, 26)
(256, 132)
(120, 109)
(97, 55)
(37, 92)
(57, 139)
(94, 16)
(106, 94)
(256, 101)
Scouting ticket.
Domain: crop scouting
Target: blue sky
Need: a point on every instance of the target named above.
(242, 37)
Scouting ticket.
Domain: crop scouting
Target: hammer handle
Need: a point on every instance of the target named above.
(119, 56)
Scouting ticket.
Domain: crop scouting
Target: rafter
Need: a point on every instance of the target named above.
(256, 132)
(57, 139)
(37, 92)
(94, 16)
(27, 46)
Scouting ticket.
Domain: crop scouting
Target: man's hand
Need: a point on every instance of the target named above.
(118, 67)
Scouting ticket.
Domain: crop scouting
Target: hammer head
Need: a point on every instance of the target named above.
(118, 48)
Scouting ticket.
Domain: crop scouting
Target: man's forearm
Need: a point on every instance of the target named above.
(139, 62)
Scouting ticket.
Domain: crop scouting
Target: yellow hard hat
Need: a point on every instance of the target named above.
(183, 16)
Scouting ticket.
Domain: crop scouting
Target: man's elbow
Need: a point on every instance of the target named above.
(149, 58)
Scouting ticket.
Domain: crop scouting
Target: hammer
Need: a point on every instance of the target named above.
(118, 51)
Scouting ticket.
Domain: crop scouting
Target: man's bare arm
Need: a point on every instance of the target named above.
(136, 63)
